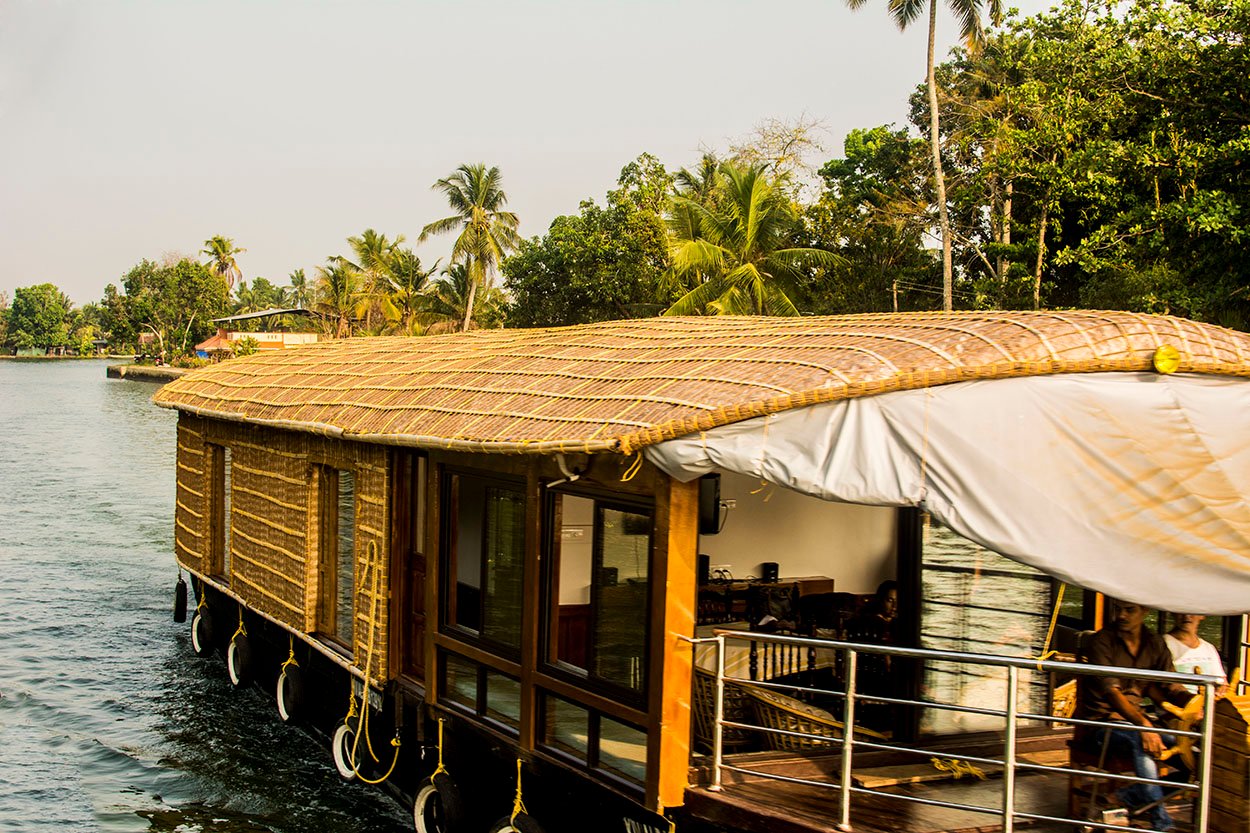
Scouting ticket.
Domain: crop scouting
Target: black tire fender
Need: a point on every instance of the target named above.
(523, 823)
(289, 694)
(341, 748)
(202, 632)
(447, 816)
(239, 663)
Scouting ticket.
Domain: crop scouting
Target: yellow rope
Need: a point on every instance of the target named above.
(362, 727)
(290, 660)
(518, 806)
(957, 768)
(241, 629)
(440, 767)
(633, 469)
(1050, 632)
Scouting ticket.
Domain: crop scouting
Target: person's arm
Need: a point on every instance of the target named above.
(1150, 741)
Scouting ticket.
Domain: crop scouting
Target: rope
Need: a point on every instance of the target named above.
(362, 727)
(957, 768)
(240, 629)
(1050, 632)
(440, 767)
(290, 660)
(633, 469)
(518, 806)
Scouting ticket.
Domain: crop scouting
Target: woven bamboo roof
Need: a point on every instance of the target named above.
(621, 385)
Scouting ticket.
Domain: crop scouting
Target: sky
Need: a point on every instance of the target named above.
(132, 129)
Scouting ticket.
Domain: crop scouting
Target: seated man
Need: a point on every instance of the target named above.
(1125, 643)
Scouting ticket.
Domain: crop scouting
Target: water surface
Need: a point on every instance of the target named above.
(108, 721)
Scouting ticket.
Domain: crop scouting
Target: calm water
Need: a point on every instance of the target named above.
(108, 722)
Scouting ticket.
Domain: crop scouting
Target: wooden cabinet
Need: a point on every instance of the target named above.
(722, 602)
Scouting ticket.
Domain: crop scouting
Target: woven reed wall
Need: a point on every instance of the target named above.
(191, 505)
(621, 385)
(269, 542)
(274, 527)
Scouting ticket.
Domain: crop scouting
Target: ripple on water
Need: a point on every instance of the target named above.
(108, 722)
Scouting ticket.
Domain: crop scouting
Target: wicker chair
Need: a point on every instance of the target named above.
(774, 710)
(737, 707)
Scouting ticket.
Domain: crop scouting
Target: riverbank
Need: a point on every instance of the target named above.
(143, 372)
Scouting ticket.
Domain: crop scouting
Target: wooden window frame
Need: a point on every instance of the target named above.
(449, 505)
(572, 677)
(326, 614)
(219, 560)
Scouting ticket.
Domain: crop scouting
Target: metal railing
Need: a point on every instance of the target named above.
(1011, 713)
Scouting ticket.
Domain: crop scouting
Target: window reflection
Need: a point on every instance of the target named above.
(601, 562)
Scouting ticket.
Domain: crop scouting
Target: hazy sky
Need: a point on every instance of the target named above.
(132, 129)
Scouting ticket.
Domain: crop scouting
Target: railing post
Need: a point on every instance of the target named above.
(718, 715)
(1009, 750)
(848, 737)
(1203, 809)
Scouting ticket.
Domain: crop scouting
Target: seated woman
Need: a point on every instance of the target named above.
(874, 625)
(1191, 654)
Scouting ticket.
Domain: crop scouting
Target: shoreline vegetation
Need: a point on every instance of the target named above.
(1085, 157)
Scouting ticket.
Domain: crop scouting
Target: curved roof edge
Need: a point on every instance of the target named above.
(622, 385)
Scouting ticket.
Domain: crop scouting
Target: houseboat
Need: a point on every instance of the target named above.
(615, 576)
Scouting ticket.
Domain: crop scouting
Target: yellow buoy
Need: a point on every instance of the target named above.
(1167, 359)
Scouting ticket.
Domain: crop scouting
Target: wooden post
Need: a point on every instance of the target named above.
(674, 599)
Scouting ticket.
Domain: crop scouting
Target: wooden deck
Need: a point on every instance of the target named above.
(757, 804)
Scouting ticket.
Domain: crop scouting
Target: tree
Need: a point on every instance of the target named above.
(409, 282)
(340, 298)
(447, 303)
(39, 318)
(176, 302)
(968, 12)
(739, 256)
(604, 263)
(487, 232)
(374, 257)
(781, 147)
(874, 212)
(4, 316)
(300, 292)
(221, 251)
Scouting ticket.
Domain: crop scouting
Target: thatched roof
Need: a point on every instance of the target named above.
(621, 385)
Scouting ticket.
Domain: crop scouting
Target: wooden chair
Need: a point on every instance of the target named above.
(737, 707)
(774, 710)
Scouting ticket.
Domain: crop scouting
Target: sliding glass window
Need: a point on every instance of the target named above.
(598, 593)
(483, 559)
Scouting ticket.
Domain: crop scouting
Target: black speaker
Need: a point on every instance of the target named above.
(769, 571)
(705, 568)
(709, 504)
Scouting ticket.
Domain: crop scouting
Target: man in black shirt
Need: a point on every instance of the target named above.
(1126, 644)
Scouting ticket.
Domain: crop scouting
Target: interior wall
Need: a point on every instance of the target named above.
(806, 536)
(577, 516)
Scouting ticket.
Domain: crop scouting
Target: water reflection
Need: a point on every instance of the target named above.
(107, 720)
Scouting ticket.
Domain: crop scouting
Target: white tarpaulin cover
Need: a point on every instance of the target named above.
(1132, 484)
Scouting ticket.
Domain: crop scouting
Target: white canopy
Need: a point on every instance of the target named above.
(1132, 484)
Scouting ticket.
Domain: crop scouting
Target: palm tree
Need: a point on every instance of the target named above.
(487, 232)
(339, 297)
(968, 12)
(374, 256)
(299, 292)
(410, 282)
(221, 252)
(446, 305)
(736, 251)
